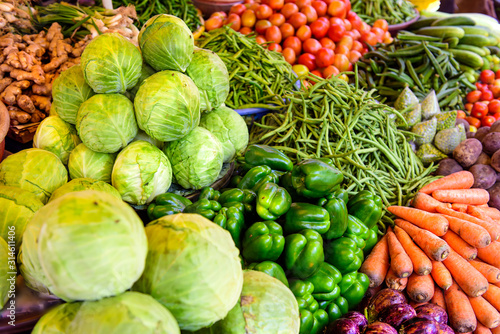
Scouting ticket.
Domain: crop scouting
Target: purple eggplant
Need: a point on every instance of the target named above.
(396, 314)
(379, 328)
(445, 329)
(421, 327)
(343, 326)
(432, 312)
(358, 318)
(383, 299)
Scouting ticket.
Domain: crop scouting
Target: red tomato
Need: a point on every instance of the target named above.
(473, 121)
(222, 15)
(261, 26)
(303, 33)
(329, 71)
(348, 25)
(382, 24)
(298, 20)
(341, 49)
(354, 56)
(461, 114)
(234, 21)
(275, 47)
(488, 121)
(336, 32)
(273, 34)
(327, 43)
(486, 95)
(311, 45)
(495, 89)
(347, 41)
(277, 19)
(308, 60)
(289, 9)
(263, 12)
(497, 115)
(324, 57)
(245, 31)
(213, 23)
(357, 46)
(347, 6)
(276, 4)
(327, 2)
(497, 74)
(379, 33)
(473, 96)
(337, 8)
(238, 9)
(494, 106)
(481, 86)
(319, 28)
(487, 76)
(302, 3)
(310, 13)
(317, 73)
(468, 106)
(336, 20)
(248, 18)
(479, 110)
(253, 6)
(287, 30)
(260, 39)
(341, 62)
(289, 55)
(320, 7)
(293, 43)
(369, 38)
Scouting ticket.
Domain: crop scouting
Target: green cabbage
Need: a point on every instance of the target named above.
(166, 43)
(229, 127)
(128, 313)
(83, 162)
(84, 184)
(111, 64)
(35, 170)
(69, 91)
(196, 159)
(57, 136)
(106, 122)
(141, 172)
(167, 106)
(85, 245)
(146, 72)
(141, 135)
(192, 268)
(211, 77)
(4, 269)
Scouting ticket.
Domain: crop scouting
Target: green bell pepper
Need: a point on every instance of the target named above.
(367, 207)
(302, 216)
(357, 231)
(312, 318)
(338, 218)
(335, 308)
(209, 193)
(232, 220)
(342, 194)
(353, 288)
(258, 155)
(272, 201)
(256, 177)
(230, 197)
(303, 253)
(371, 241)
(167, 204)
(344, 254)
(234, 181)
(271, 268)
(325, 282)
(315, 179)
(263, 241)
(204, 207)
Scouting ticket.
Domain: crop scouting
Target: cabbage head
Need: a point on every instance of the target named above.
(4, 269)
(84, 184)
(229, 127)
(210, 75)
(85, 245)
(146, 72)
(167, 106)
(83, 162)
(127, 313)
(17, 208)
(192, 268)
(141, 172)
(69, 91)
(35, 170)
(166, 43)
(196, 159)
(111, 64)
(141, 135)
(106, 122)
(57, 136)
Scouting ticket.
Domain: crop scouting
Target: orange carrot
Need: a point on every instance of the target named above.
(465, 196)
(492, 295)
(421, 263)
(394, 282)
(459, 207)
(481, 329)
(460, 246)
(476, 212)
(492, 229)
(441, 275)
(438, 297)
(493, 213)
(436, 248)
(474, 235)
(486, 314)
(482, 206)
(420, 288)
(460, 312)
(377, 264)
(427, 203)
(491, 273)
(467, 277)
(490, 254)
(460, 180)
(400, 261)
(430, 221)
(495, 330)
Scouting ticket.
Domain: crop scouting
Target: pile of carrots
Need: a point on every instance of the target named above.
(445, 250)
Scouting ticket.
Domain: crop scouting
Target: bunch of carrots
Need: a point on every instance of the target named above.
(445, 250)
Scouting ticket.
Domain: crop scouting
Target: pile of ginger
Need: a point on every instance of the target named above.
(28, 66)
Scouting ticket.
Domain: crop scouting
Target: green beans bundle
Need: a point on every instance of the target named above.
(393, 11)
(259, 77)
(420, 62)
(338, 121)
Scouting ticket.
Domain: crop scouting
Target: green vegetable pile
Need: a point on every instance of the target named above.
(393, 11)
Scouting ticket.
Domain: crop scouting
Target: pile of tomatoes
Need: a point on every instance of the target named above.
(483, 104)
(321, 36)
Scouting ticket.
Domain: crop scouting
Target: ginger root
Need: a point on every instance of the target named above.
(17, 116)
(26, 104)
(10, 94)
(37, 75)
(42, 102)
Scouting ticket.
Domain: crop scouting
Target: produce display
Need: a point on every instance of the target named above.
(394, 12)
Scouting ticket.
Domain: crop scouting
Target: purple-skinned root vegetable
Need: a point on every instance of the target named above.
(343, 326)
(445, 329)
(421, 327)
(383, 299)
(395, 315)
(379, 328)
(358, 318)
(432, 312)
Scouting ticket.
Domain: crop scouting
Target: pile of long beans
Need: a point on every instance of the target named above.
(259, 77)
(420, 62)
(393, 11)
(339, 121)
